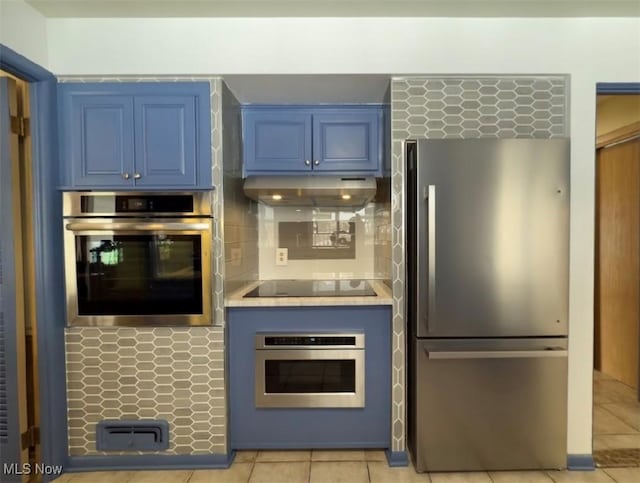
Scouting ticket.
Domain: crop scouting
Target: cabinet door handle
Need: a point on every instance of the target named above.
(126, 175)
(316, 162)
(137, 176)
(307, 163)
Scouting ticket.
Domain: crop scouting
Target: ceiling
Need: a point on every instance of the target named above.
(337, 8)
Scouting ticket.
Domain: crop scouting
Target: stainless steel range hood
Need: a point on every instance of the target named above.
(311, 190)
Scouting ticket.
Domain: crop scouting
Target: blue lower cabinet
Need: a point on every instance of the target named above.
(298, 427)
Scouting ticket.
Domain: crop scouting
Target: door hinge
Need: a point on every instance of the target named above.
(31, 437)
(20, 126)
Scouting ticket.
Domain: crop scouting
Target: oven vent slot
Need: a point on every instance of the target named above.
(132, 435)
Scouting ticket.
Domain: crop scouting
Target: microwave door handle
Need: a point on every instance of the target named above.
(168, 226)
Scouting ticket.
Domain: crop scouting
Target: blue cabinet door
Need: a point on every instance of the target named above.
(347, 140)
(99, 140)
(165, 141)
(277, 141)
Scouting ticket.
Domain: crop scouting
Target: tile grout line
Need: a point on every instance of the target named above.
(253, 465)
(551, 477)
(635, 409)
(546, 474)
(604, 470)
(621, 420)
(428, 475)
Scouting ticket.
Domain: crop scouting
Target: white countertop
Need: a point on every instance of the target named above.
(235, 299)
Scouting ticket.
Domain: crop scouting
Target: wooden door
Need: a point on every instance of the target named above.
(13, 371)
(618, 261)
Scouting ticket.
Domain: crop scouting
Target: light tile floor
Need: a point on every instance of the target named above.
(616, 426)
(616, 414)
(341, 467)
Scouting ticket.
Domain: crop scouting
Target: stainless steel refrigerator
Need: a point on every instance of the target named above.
(487, 255)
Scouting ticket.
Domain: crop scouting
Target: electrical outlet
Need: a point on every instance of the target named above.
(282, 256)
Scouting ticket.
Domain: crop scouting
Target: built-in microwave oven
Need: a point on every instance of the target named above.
(135, 258)
(310, 370)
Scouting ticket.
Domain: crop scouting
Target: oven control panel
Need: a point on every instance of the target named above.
(315, 340)
(310, 340)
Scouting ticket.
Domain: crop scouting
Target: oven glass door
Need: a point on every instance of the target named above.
(131, 275)
(310, 378)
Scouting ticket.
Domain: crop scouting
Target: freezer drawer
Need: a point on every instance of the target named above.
(490, 405)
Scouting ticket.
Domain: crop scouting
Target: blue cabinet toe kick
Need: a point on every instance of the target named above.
(148, 462)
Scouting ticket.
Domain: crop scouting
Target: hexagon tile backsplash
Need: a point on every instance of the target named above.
(439, 107)
(176, 374)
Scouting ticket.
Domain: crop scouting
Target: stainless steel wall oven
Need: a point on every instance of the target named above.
(310, 370)
(138, 258)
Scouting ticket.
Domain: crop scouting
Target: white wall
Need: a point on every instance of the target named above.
(24, 30)
(589, 49)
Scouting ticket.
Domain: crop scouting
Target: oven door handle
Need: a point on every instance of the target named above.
(146, 226)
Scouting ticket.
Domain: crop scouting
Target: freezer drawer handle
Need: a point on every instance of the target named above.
(495, 354)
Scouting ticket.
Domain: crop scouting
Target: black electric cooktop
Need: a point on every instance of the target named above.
(313, 288)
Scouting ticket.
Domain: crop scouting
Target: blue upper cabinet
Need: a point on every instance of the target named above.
(142, 135)
(103, 131)
(277, 140)
(346, 140)
(165, 141)
(314, 140)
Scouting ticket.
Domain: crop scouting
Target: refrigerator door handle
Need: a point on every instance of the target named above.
(452, 355)
(431, 255)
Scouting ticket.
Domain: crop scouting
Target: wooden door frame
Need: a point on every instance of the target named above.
(619, 135)
(46, 216)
